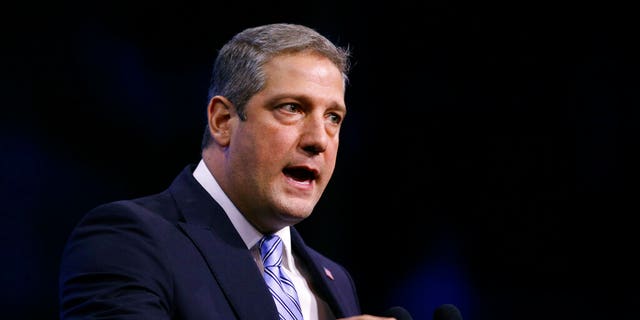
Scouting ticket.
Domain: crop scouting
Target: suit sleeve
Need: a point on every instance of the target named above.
(113, 267)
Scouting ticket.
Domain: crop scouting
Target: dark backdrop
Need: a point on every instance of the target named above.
(488, 147)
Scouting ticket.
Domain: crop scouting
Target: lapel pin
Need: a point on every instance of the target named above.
(328, 273)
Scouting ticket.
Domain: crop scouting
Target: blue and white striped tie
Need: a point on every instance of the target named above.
(282, 289)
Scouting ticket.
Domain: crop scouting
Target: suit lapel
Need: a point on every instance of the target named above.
(236, 273)
(227, 256)
(321, 277)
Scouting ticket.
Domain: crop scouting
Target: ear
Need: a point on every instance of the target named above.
(219, 117)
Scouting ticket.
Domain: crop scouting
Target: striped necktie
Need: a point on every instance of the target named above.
(282, 289)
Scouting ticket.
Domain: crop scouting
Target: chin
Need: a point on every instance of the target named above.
(296, 213)
(293, 209)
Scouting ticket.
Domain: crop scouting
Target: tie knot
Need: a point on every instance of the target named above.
(271, 250)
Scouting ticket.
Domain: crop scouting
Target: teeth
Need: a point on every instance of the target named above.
(305, 182)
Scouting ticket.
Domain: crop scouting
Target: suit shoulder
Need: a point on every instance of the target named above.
(153, 207)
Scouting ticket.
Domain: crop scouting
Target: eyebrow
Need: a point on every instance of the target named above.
(305, 100)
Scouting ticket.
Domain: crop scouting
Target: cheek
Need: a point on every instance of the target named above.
(273, 144)
(331, 155)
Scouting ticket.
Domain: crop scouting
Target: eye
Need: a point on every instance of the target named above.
(335, 118)
(290, 107)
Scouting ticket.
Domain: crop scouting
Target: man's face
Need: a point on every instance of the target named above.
(283, 155)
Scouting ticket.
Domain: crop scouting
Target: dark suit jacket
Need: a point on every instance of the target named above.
(176, 255)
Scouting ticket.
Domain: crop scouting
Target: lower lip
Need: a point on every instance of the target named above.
(304, 185)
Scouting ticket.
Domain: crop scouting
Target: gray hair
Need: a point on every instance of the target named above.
(238, 69)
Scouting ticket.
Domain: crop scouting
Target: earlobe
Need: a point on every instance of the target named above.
(219, 118)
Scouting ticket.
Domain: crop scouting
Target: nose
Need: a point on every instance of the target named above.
(315, 136)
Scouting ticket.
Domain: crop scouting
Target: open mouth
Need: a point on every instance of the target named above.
(300, 173)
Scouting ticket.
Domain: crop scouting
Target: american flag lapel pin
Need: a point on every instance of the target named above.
(328, 273)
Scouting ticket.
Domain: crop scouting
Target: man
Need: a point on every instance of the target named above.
(199, 249)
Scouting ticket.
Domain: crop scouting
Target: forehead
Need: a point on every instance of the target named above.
(303, 69)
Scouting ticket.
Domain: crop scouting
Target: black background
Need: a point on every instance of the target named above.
(489, 148)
